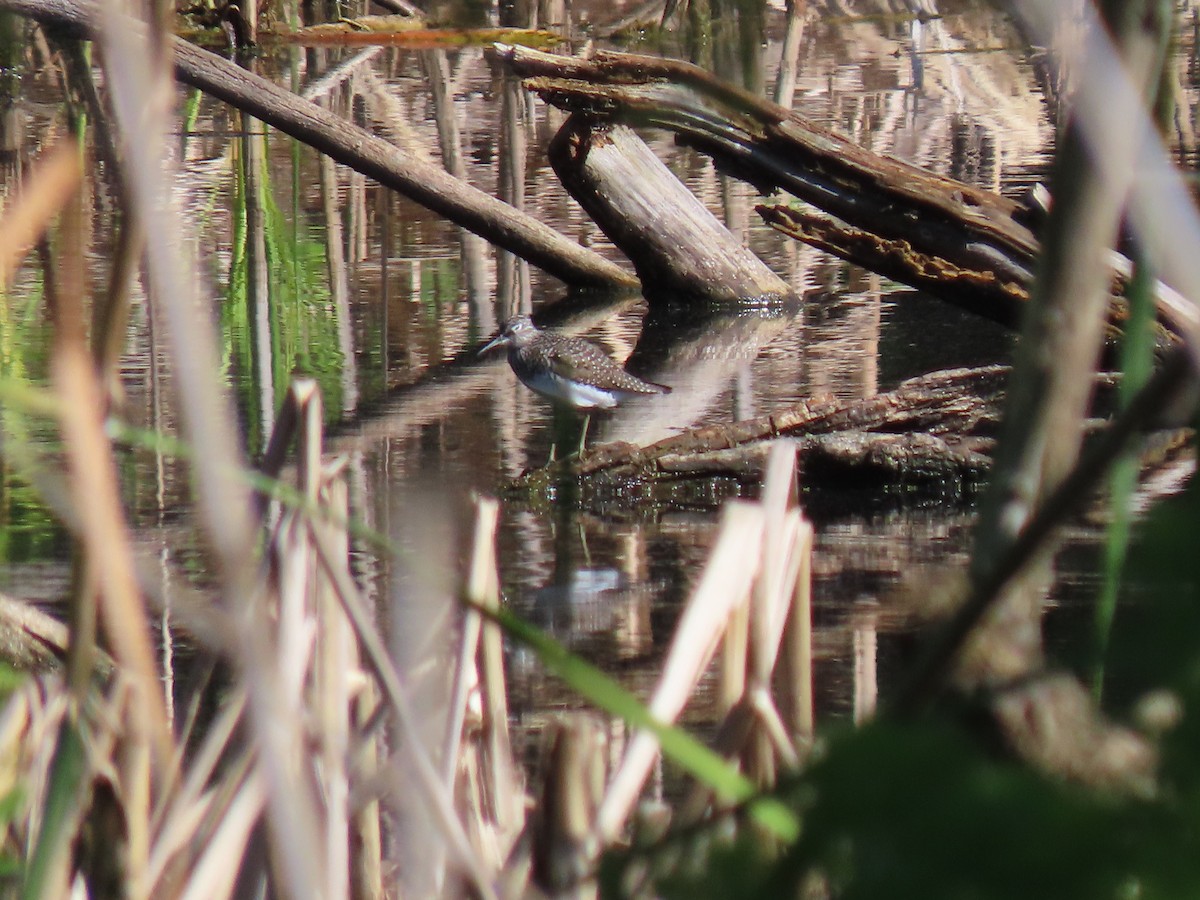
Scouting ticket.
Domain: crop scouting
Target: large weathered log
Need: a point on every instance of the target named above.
(957, 241)
(774, 148)
(676, 245)
(391, 166)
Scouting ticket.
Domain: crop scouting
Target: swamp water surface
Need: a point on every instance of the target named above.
(310, 265)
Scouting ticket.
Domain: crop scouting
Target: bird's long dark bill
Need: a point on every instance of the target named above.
(497, 341)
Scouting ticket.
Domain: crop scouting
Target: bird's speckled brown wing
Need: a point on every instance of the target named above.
(580, 360)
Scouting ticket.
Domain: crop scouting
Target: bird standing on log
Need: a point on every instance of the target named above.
(567, 369)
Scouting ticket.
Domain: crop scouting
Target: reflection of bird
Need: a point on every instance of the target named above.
(567, 369)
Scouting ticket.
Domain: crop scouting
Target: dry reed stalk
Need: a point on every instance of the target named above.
(726, 583)
(92, 478)
(459, 767)
(796, 676)
(55, 178)
(133, 764)
(136, 71)
(734, 656)
(29, 724)
(423, 773)
(178, 822)
(466, 676)
(214, 872)
(573, 774)
(768, 745)
(771, 593)
(504, 776)
(336, 662)
(498, 794)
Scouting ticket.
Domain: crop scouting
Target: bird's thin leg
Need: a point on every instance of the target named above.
(587, 420)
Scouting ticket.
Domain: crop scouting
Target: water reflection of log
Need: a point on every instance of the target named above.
(699, 356)
(454, 383)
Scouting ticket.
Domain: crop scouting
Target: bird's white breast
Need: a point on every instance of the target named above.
(581, 396)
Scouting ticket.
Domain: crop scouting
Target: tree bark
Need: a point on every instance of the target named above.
(678, 248)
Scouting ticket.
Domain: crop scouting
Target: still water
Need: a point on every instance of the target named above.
(310, 265)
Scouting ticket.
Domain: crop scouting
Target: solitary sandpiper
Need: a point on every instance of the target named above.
(567, 369)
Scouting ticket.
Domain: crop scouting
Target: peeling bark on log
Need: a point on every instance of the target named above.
(984, 293)
(862, 459)
(957, 241)
(677, 246)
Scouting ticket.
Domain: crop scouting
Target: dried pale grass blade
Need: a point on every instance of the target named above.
(214, 874)
(726, 582)
(96, 496)
(425, 776)
(29, 724)
(466, 677)
(768, 607)
(734, 658)
(764, 708)
(55, 178)
(292, 805)
(175, 824)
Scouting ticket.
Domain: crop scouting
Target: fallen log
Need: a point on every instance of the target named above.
(774, 148)
(929, 439)
(952, 403)
(678, 248)
(960, 242)
(357, 148)
(930, 432)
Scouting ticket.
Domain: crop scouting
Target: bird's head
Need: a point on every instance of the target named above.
(517, 332)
